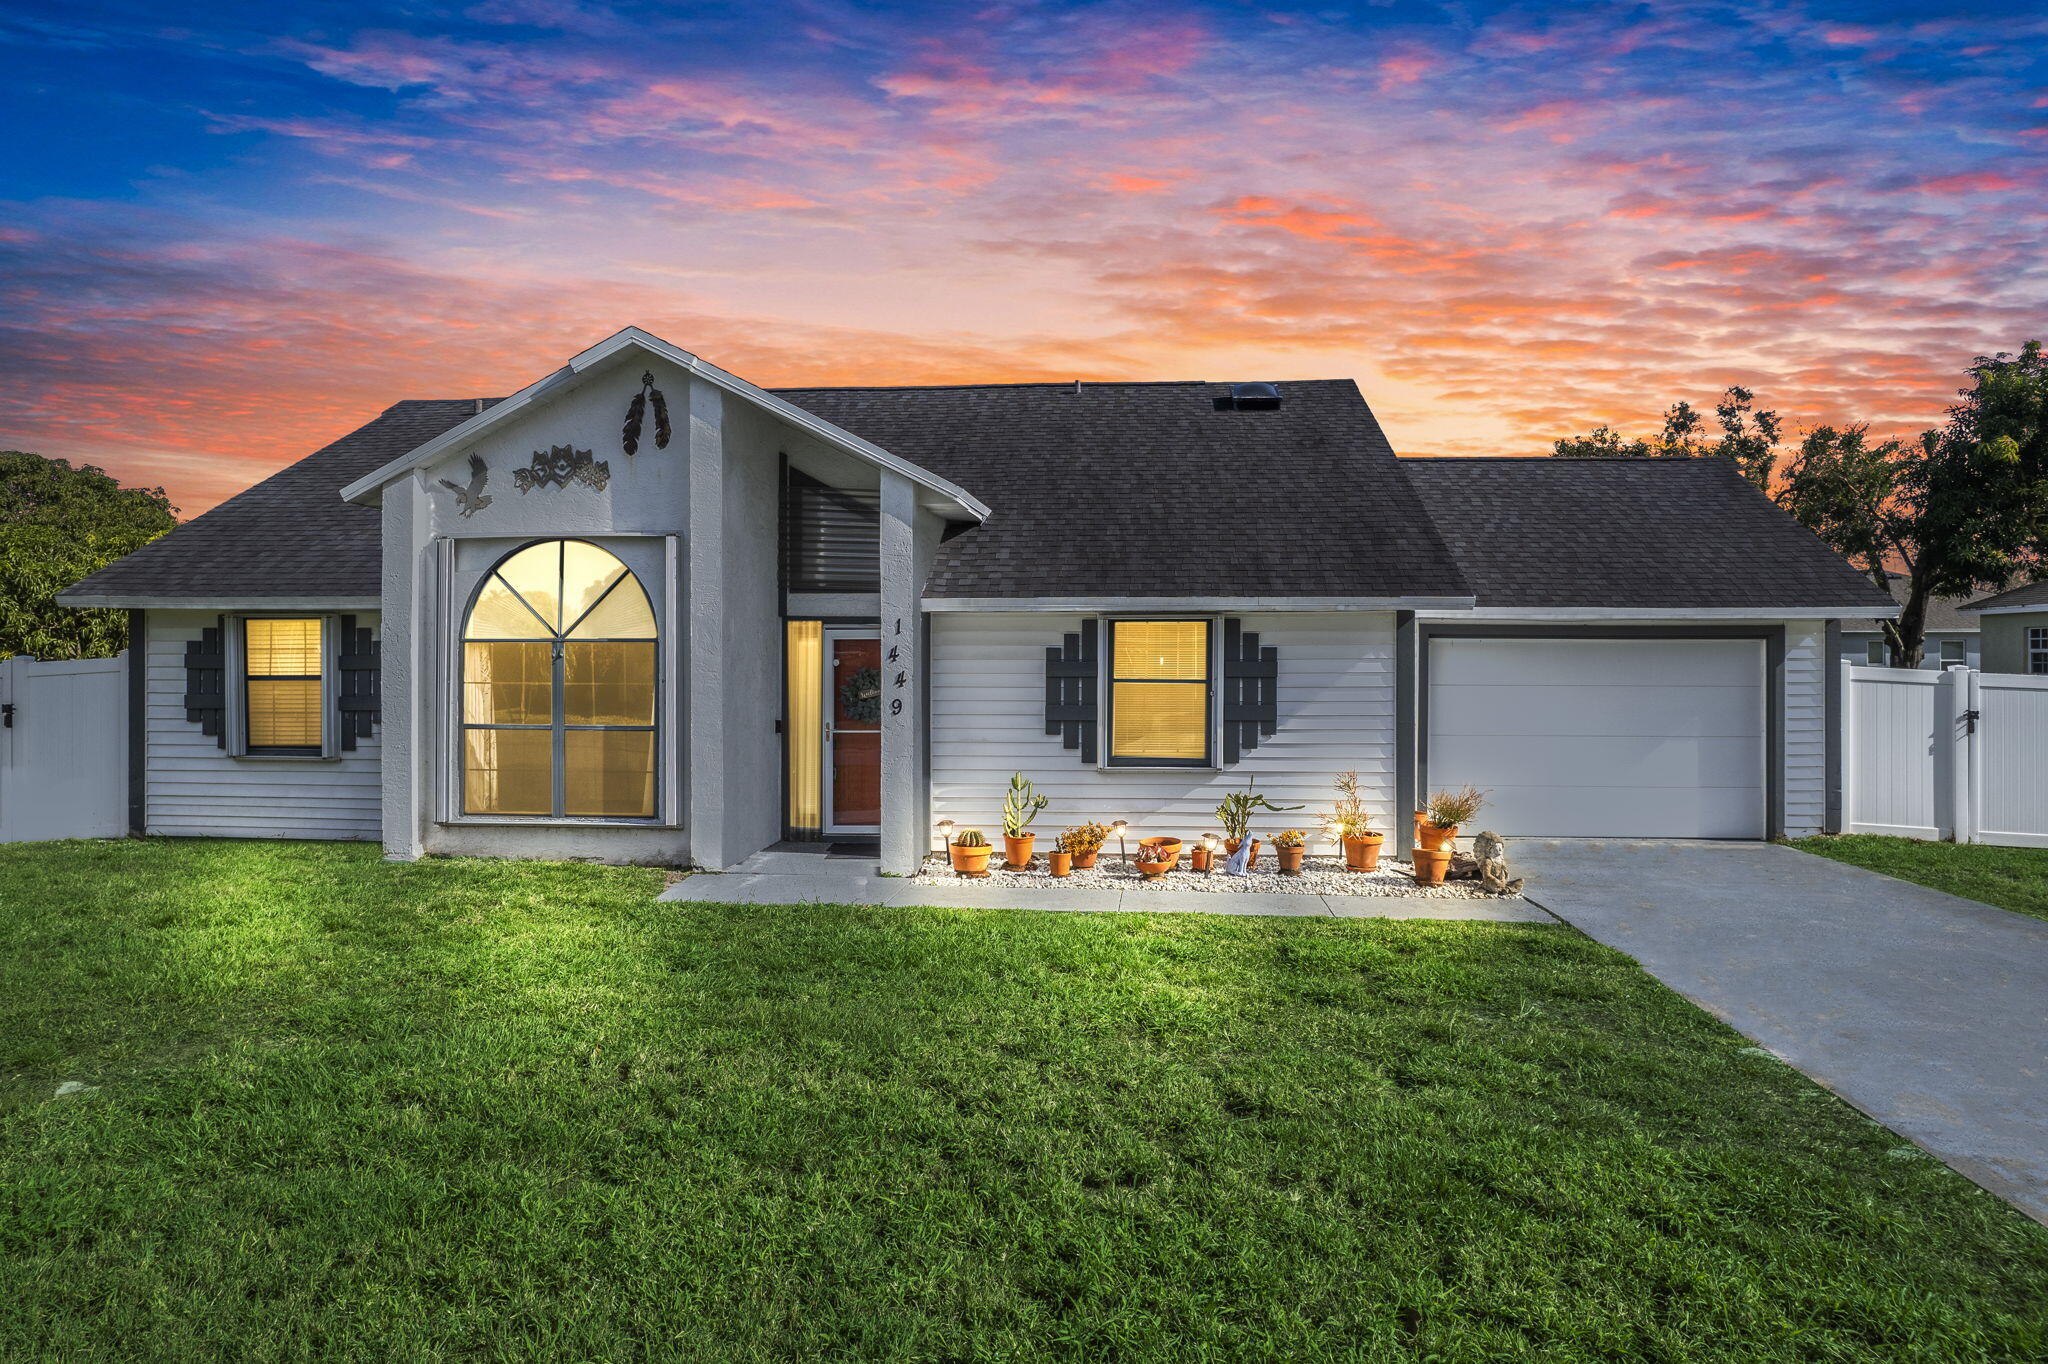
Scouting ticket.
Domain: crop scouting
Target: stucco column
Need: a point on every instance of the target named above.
(704, 764)
(905, 551)
(407, 651)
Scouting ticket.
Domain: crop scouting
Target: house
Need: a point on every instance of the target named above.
(1949, 635)
(2015, 626)
(643, 610)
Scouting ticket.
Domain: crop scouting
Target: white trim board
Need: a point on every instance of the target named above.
(634, 337)
(2036, 608)
(1156, 604)
(1567, 614)
(140, 603)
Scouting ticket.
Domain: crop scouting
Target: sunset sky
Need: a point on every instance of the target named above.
(229, 234)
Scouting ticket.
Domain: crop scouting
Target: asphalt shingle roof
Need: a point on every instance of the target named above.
(2026, 594)
(1652, 533)
(290, 535)
(1146, 490)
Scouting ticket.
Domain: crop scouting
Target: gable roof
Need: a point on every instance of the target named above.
(1147, 490)
(290, 536)
(1654, 534)
(2014, 599)
(1944, 614)
(633, 338)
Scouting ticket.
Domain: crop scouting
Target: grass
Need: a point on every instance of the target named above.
(456, 1110)
(2010, 878)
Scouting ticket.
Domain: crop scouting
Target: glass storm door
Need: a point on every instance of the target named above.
(853, 730)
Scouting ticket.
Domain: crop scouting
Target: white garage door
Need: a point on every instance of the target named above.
(1660, 738)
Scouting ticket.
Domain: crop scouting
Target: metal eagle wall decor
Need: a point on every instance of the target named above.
(472, 499)
(636, 411)
(555, 467)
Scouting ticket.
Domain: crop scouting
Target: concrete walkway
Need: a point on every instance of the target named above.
(1928, 1012)
(783, 876)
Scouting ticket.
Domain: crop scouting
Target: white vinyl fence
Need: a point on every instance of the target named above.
(63, 748)
(1959, 755)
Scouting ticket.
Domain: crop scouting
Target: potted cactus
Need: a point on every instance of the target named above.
(1290, 846)
(1020, 806)
(1436, 824)
(1350, 822)
(970, 853)
(1235, 815)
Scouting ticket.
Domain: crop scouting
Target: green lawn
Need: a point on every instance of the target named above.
(466, 1110)
(2011, 878)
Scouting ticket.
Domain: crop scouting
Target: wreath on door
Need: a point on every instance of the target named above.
(860, 697)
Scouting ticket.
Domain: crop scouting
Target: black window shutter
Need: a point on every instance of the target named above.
(1251, 680)
(206, 682)
(1070, 688)
(360, 699)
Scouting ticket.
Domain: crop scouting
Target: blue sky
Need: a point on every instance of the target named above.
(231, 233)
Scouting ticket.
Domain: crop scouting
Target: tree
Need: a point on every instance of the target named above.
(1964, 509)
(57, 525)
(1748, 437)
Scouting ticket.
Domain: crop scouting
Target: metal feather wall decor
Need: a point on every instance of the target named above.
(472, 499)
(636, 412)
(557, 466)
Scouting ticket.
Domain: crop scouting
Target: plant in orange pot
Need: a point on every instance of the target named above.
(1020, 806)
(1350, 822)
(1436, 826)
(970, 853)
(1235, 815)
(1290, 847)
(1157, 856)
(1084, 841)
(1060, 863)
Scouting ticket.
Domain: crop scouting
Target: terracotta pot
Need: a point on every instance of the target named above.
(1430, 864)
(1162, 849)
(1435, 836)
(1198, 859)
(1290, 859)
(1362, 853)
(1083, 861)
(970, 860)
(1017, 850)
(1062, 863)
(1230, 846)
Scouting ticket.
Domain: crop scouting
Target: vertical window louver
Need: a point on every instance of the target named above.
(831, 538)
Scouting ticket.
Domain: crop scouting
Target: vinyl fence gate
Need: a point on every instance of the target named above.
(63, 748)
(1959, 755)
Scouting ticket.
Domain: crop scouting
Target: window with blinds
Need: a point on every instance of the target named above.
(283, 700)
(831, 538)
(1159, 693)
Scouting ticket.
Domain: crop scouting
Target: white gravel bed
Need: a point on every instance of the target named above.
(1319, 876)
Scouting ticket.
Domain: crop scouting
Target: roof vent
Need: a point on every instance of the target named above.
(1250, 398)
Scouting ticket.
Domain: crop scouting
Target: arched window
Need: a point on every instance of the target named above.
(558, 688)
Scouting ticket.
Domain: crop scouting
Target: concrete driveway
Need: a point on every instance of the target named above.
(1928, 1012)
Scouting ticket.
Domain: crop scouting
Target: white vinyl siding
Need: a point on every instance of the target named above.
(193, 787)
(1336, 711)
(1805, 778)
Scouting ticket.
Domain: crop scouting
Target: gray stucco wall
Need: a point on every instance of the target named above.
(697, 522)
(2005, 640)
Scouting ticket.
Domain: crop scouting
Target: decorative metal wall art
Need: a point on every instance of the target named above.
(472, 499)
(554, 468)
(637, 410)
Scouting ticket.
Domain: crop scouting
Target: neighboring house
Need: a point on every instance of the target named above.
(2015, 626)
(482, 626)
(1951, 636)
